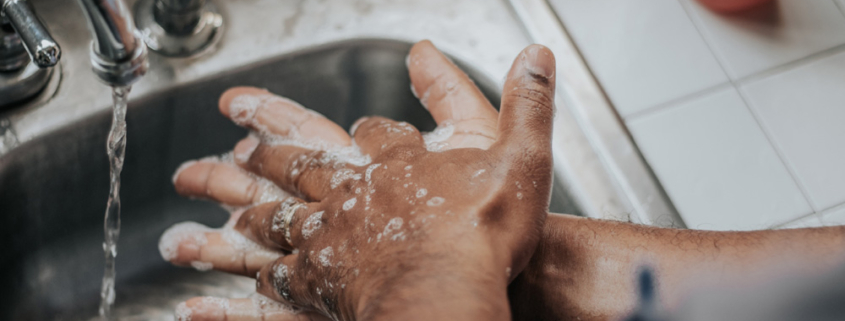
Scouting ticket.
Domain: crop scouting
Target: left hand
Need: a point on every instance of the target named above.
(484, 208)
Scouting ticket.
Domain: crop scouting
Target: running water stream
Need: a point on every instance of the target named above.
(115, 147)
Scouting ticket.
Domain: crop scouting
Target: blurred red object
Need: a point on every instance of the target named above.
(729, 6)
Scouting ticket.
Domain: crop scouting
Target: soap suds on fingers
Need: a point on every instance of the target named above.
(435, 141)
(168, 245)
(313, 223)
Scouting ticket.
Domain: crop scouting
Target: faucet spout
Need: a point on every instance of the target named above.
(118, 55)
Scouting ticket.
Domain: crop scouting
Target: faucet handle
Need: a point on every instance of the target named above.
(43, 50)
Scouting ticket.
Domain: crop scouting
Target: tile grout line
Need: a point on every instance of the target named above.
(784, 67)
(736, 84)
(820, 214)
(704, 37)
(635, 116)
(832, 208)
(757, 119)
(791, 65)
(691, 96)
(778, 150)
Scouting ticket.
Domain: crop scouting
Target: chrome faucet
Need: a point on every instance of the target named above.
(27, 53)
(118, 55)
(179, 28)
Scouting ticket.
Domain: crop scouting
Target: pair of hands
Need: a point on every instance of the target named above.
(388, 224)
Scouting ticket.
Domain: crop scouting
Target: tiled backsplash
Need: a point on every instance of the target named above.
(741, 116)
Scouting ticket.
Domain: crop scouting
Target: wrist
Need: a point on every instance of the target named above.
(433, 290)
(535, 294)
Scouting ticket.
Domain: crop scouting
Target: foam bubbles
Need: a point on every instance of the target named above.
(325, 256)
(424, 98)
(435, 201)
(414, 91)
(241, 243)
(242, 109)
(332, 153)
(436, 141)
(343, 175)
(183, 312)
(168, 245)
(281, 273)
(267, 306)
(312, 224)
(202, 266)
(393, 225)
(421, 192)
(348, 205)
(270, 192)
(369, 174)
(219, 303)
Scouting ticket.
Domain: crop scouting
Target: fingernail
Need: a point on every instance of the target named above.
(187, 236)
(539, 61)
(242, 108)
(245, 148)
(355, 125)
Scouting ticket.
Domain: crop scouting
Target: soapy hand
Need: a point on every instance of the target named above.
(387, 226)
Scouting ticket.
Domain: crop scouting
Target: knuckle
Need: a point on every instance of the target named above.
(400, 151)
(535, 95)
(369, 127)
(253, 191)
(536, 158)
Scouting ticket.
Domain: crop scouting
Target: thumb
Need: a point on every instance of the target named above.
(527, 107)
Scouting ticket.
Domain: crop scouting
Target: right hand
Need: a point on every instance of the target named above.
(451, 97)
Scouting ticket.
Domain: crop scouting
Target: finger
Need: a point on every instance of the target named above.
(378, 135)
(451, 97)
(267, 113)
(311, 174)
(283, 282)
(264, 223)
(195, 245)
(256, 308)
(528, 102)
(223, 182)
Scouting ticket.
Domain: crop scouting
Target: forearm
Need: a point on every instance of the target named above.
(586, 268)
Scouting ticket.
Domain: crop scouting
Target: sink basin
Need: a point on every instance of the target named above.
(54, 187)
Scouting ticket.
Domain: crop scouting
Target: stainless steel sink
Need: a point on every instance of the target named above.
(53, 268)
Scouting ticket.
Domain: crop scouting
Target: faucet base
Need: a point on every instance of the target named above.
(207, 31)
(24, 84)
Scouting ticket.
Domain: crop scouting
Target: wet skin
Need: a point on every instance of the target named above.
(413, 234)
(582, 269)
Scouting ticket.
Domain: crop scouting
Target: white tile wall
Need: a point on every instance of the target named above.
(644, 53)
(803, 110)
(780, 32)
(717, 165)
(772, 156)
